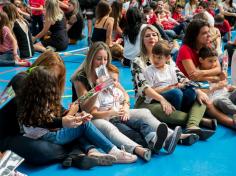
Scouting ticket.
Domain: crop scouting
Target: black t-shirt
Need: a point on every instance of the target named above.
(81, 77)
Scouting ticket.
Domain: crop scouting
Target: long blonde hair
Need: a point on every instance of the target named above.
(86, 66)
(53, 11)
(143, 50)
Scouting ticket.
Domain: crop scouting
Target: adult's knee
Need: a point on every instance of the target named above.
(37, 152)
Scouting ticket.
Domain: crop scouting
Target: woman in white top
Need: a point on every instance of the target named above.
(190, 8)
(132, 33)
(228, 9)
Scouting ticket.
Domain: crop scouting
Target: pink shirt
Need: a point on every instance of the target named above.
(7, 42)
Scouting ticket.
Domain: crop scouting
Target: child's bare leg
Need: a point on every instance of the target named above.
(221, 117)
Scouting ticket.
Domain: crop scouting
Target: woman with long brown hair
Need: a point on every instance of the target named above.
(104, 24)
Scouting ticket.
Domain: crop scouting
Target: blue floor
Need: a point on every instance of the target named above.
(215, 157)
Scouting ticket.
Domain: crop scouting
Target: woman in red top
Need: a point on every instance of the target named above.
(197, 36)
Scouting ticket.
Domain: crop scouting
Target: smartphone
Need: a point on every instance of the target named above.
(82, 118)
(85, 116)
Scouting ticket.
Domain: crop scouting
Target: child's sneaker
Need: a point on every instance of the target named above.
(122, 156)
(161, 134)
(104, 159)
(147, 154)
(172, 140)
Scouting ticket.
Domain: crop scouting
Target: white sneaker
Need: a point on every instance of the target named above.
(123, 157)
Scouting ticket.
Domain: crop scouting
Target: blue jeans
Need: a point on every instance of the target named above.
(182, 99)
(136, 129)
(83, 132)
(7, 59)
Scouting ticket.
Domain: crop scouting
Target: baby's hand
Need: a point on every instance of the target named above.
(73, 109)
(231, 88)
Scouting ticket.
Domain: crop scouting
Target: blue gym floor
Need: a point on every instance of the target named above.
(215, 157)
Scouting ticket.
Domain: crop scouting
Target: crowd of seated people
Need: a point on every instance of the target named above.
(168, 46)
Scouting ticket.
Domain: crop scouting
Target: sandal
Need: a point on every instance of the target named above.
(209, 123)
(80, 161)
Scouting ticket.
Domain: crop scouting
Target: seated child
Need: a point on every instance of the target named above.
(222, 95)
(223, 25)
(8, 45)
(113, 105)
(170, 82)
(178, 13)
(167, 79)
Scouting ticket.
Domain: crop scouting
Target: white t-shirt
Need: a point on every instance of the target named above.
(210, 18)
(160, 78)
(131, 51)
(189, 10)
(109, 98)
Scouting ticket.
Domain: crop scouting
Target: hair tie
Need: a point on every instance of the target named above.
(29, 71)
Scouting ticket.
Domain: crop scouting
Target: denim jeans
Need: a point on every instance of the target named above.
(141, 120)
(6, 59)
(131, 133)
(87, 131)
(114, 135)
(137, 125)
(182, 99)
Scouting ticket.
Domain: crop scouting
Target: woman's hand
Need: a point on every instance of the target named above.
(83, 117)
(195, 74)
(70, 121)
(202, 97)
(166, 106)
(73, 109)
